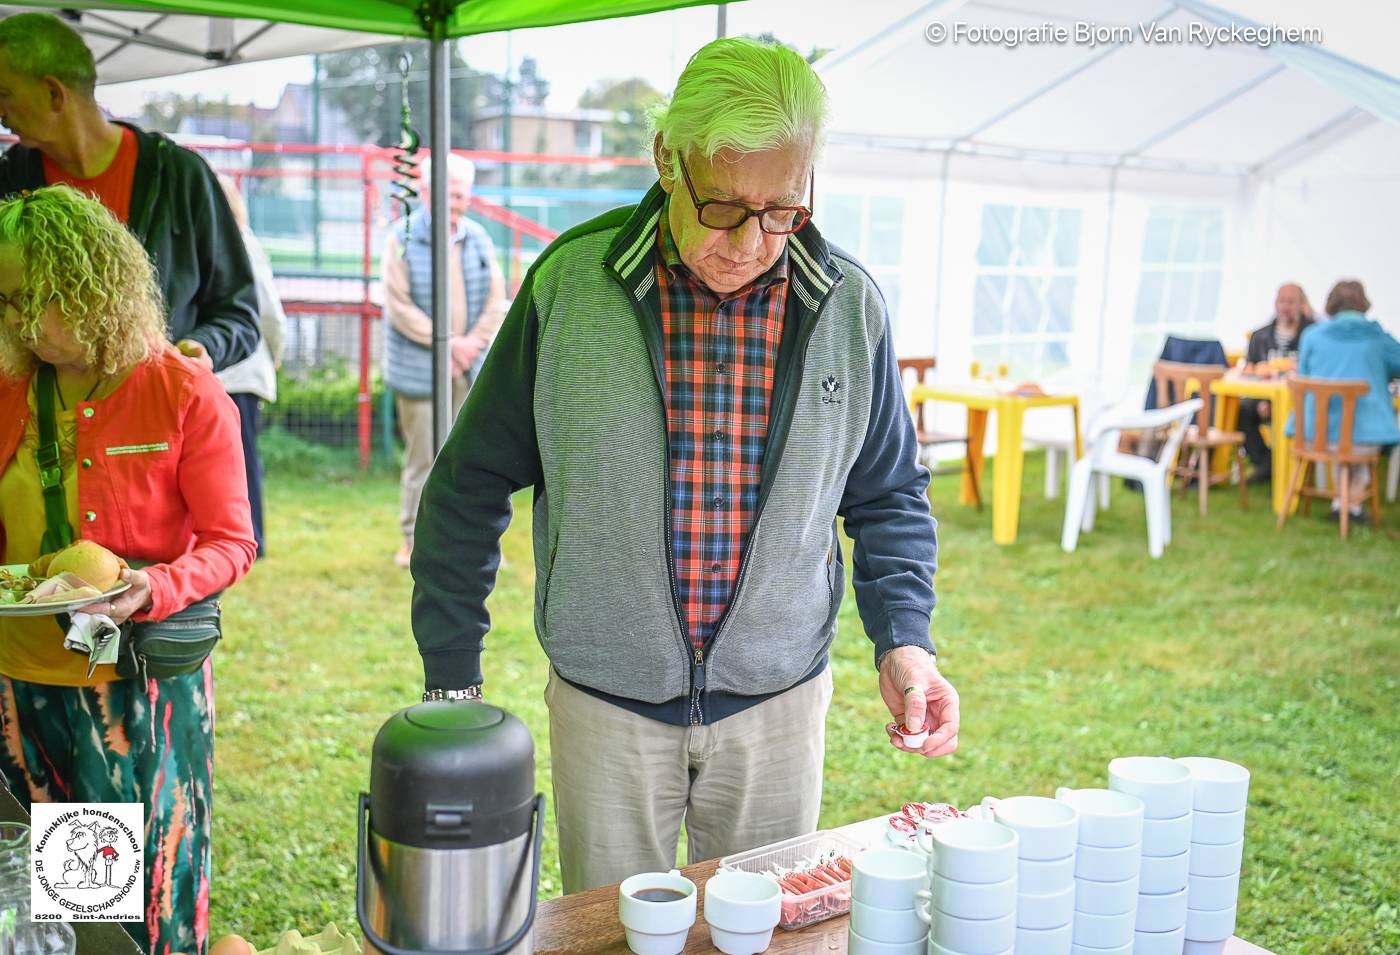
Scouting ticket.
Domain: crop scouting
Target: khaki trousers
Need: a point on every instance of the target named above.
(623, 783)
(416, 425)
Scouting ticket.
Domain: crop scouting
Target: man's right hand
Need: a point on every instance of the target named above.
(465, 350)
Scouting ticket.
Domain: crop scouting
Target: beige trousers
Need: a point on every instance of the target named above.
(623, 783)
(416, 425)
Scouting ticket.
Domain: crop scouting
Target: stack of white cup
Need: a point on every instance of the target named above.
(1105, 869)
(883, 887)
(970, 904)
(1048, 830)
(1220, 793)
(1164, 786)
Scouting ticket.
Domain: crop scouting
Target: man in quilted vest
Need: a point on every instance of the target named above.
(476, 301)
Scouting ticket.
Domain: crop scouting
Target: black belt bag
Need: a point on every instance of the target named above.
(177, 645)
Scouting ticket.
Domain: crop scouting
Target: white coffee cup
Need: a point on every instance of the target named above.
(1045, 941)
(888, 878)
(1045, 911)
(972, 936)
(1048, 827)
(1104, 931)
(1193, 947)
(656, 928)
(1106, 818)
(1161, 913)
(742, 909)
(970, 850)
(1210, 926)
(1107, 865)
(1090, 950)
(857, 944)
(1163, 874)
(1212, 893)
(1159, 943)
(1166, 837)
(935, 949)
(969, 900)
(1105, 898)
(1163, 784)
(1044, 878)
(1217, 828)
(1216, 860)
(1220, 785)
(896, 926)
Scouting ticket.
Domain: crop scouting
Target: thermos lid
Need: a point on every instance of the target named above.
(452, 775)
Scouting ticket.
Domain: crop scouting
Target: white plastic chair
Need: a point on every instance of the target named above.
(1104, 459)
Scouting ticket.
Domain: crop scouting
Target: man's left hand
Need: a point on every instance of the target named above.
(193, 349)
(918, 696)
(465, 350)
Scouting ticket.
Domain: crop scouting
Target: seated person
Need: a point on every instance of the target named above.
(1352, 347)
(1278, 339)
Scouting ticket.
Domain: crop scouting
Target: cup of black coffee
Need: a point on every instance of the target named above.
(657, 909)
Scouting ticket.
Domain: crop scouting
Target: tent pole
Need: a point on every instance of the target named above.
(439, 105)
(942, 235)
(1107, 263)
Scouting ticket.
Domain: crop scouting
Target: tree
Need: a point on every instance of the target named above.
(367, 86)
(811, 56)
(626, 132)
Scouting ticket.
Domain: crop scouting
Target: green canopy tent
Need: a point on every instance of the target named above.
(244, 30)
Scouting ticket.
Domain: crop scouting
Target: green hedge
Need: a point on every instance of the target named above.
(322, 405)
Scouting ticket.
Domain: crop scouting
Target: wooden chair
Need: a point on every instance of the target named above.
(914, 371)
(1176, 382)
(1308, 454)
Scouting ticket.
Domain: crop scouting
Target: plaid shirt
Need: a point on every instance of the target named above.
(720, 359)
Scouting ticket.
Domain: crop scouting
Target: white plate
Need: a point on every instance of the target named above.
(49, 608)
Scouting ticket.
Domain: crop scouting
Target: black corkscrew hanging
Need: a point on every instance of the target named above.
(405, 161)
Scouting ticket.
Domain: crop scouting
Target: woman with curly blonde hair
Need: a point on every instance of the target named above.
(149, 465)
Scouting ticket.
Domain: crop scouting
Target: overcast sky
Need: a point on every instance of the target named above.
(572, 57)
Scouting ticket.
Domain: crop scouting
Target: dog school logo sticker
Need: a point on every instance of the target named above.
(88, 861)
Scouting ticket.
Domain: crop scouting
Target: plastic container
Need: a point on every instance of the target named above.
(811, 907)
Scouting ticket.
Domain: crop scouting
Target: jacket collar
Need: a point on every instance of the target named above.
(632, 256)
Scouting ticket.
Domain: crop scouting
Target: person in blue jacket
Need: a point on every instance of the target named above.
(1353, 347)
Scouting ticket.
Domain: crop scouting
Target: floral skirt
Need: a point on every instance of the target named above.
(150, 742)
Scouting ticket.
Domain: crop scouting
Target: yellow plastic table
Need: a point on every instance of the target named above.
(1273, 390)
(1010, 410)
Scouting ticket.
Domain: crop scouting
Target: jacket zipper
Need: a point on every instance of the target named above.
(793, 381)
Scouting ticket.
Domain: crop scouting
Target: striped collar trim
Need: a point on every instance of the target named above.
(813, 276)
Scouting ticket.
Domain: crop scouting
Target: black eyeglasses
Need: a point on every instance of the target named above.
(724, 216)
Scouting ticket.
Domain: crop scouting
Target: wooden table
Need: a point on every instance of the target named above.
(1233, 387)
(94, 938)
(1010, 410)
(586, 922)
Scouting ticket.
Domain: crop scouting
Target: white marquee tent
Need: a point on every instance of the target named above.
(1060, 207)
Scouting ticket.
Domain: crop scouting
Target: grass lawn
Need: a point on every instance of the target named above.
(1278, 650)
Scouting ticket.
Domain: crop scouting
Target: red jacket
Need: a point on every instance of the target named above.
(160, 477)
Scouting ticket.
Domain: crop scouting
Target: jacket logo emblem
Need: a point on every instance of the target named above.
(830, 388)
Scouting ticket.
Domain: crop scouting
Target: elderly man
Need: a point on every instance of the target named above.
(476, 300)
(696, 388)
(164, 194)
(1278, 339)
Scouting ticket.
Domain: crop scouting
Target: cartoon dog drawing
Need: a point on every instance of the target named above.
(83, 842)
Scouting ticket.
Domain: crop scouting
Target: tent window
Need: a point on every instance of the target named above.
(1183, 253)
(1023, 301)
(871, 228)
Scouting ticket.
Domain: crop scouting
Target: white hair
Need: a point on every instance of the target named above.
(741, 95)
(459, 169)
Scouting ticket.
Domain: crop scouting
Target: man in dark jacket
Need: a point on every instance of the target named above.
(166, 195)
(1278, 339)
